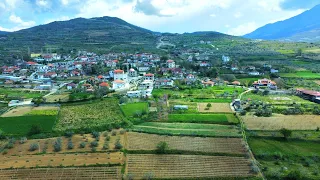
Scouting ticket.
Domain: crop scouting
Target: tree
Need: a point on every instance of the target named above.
(118, 145)
(286, 133)
(33, 146)
(57, 145)
(35, 129)
(162, 147)
(209, 105)
(70, 144)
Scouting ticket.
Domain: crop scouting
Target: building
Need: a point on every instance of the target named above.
(159, 83)
(118, 84)
(208, 84)
(134, 94)
(225, 59)
(71, 86)
(180, 107)
(254, 73)
(149, 77)
(120, 75)
(309, 94)
(104, 84)
(265, 83)
(132, 73)
(171, 64)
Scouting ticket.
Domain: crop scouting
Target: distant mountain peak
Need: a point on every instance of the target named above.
(298, 28)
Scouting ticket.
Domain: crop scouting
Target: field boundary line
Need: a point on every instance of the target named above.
(244, 136)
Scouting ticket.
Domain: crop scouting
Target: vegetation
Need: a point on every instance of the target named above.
(162, 147)
(134, 109)
(203, 118)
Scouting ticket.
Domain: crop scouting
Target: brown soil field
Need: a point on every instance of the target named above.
(106, 173)
(187, 166)
(142, 141)
(277, 122)
(23, 149)
(216, 108)
(57, 97)
(45, 160)
(20, 111)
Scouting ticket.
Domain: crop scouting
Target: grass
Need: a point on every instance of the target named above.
(301, 74)
(188, 129)
(272, 99)
(261, 146)
(203, 118)
(21, 125)
(15, 93)
(130, 109)
(90, 115)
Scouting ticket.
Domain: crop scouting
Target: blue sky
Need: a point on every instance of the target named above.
(236, 17)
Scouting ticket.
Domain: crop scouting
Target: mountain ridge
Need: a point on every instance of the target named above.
(281, 30)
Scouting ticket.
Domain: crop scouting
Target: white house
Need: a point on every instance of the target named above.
(149, 77)
(120, 75)
(254, 73)
(132, 73)
(225, 59)
(118, 84)
(134, 94)
(171, 64)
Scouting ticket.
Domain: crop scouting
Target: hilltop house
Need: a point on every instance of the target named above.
(265, 83)
(171, 64)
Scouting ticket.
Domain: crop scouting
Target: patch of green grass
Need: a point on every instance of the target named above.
(261, 146)
(130, 109)
(301, 74)
(14, 93)
(188, 129)
(203, 118)
(21, 125)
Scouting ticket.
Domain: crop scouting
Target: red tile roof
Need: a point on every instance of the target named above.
(104, 84)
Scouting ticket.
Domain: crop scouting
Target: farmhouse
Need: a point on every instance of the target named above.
(265, 83)
(208, 84)
(309, 94)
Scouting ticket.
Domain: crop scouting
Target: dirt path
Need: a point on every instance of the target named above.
(175, 128)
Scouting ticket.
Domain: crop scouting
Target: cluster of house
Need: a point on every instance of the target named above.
(252, 70)
(309, 95)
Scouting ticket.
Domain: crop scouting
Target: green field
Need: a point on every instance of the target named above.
(188, 129)
(14, 93)
(203, 118)
(301, 74)
(21, 125)
(130, 109)
(261, 146)
(276, 99)
(203, 93)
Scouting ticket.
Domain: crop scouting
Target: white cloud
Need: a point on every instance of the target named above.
(67, 2)
(43, 3)
(23, 24)
(243, 29)
(213, 15)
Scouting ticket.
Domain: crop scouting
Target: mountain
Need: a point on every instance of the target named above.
(3, 32)
(303, 27)
(92, 34)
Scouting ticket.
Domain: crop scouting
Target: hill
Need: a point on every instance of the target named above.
(80, 33)
(303, 27)
(3, 32)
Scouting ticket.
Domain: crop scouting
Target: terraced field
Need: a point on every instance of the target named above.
(141, 141)
(188, 129)
(187, 166)
(105, 173)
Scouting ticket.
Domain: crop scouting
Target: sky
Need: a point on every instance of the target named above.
(235, 17)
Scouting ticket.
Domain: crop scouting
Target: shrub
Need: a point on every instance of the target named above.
(93, 149)
(68, 134)
(243, 112)
(82, 145)
(209, 105)
(117, 144)
(108, 138)
(35, 129)
(5, 151)
(105, 146)
(122, 131)
(9, 145)
(286, 133)
(294, 175)
(148, 176)
(94, 144)
(95, 134)
(70, 144)
(114, 133)
(23, 140)
(57, 145)
(33, 146)
(162, 147)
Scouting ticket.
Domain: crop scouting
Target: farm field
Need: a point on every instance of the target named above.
(188, 129)
(276, 99)
(301, 74)
(271, 147)
(96, 114)
(16, 93)
(47, 144)
(296, 155)
(203, 93)
(107, 173)
(277, 122)
(203, 118)
(130, 109)
(54, 98)
(58, 159)
(21, 125)
(215, 107)
(30, 110)
(141, 141)
(187, 166)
